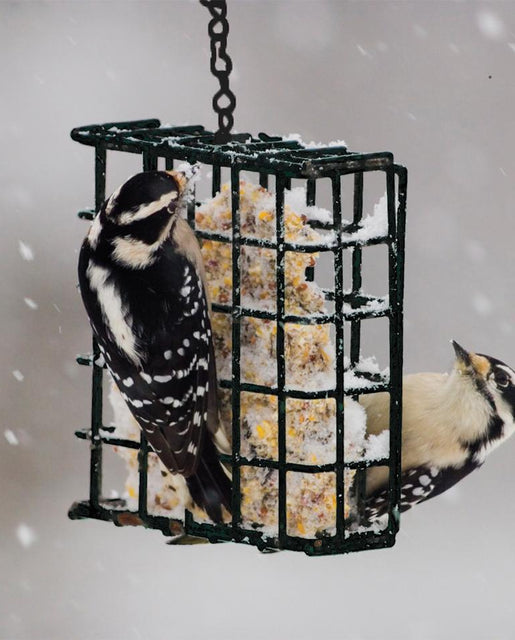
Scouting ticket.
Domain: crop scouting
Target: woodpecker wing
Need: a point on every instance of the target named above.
(418, 485)
(169, 386)
(175, 377)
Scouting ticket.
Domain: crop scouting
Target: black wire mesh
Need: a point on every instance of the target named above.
(285, 160)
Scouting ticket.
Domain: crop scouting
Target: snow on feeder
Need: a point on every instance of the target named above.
(284, 234)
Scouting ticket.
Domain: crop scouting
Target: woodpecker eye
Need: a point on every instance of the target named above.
(502, 379)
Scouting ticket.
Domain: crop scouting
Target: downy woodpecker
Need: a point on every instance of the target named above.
(451, 422)
(141, 280)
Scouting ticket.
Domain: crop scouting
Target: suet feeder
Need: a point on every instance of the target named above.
(265, 160)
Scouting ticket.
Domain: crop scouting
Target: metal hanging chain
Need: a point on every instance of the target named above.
(224, 100)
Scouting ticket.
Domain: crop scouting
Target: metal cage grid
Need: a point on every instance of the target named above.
(285, 160)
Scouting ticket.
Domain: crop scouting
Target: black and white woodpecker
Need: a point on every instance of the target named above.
(141, 279)
(451, 422)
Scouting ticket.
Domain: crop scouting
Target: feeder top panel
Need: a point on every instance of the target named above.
(265, 154)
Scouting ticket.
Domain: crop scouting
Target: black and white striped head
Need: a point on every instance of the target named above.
(144, 195)
(494, 381)
(136, 219)
(489, 374)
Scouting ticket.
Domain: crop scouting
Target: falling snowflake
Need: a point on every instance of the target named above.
(490, 25)
(26, 536)
(18, 375)
(11, 437)
(25, 251)
(30, 303)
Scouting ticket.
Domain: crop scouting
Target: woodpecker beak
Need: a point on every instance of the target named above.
(179, 178)
(462, 357)
(182, 178)
(470, 362)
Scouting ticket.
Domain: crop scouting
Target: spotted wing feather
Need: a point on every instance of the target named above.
(168, 391)
(417, 485)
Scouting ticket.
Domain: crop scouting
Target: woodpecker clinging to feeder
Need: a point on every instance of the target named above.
(141, 280)
(450, 424)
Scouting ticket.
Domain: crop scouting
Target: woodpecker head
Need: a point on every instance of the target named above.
(488, 373)
(136, 219)
(492, 382)
(144, 195)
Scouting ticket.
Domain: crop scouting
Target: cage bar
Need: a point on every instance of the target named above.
(280, 186)
(236, 338)
(284, 160)
(340, 347)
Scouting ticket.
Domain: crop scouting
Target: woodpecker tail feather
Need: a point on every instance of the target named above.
(210, 488)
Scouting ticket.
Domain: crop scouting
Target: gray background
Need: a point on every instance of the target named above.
(431, 81)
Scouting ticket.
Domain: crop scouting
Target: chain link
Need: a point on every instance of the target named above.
(224, 100)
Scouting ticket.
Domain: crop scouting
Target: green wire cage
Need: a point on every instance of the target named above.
(267, 158)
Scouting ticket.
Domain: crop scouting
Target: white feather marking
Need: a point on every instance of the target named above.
(179, 403)
(192, 448)
(128, 382)
(181, 432)
(94, 232)
(192, 311)
(135, 253)
(136, 403)
(189, 369)
(188, 394)
(117, 320)
(112, 200)
(146, 377)
(162, 379)
(146, 210)
(167, 355)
